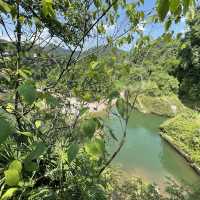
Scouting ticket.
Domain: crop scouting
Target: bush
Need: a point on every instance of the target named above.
(184, 129)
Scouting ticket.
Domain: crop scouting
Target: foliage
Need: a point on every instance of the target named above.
(188, 71)
(50, 147)
(184, 130)
(153, 75)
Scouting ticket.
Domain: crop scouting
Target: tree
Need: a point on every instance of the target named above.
(188, 71)
(51, 148)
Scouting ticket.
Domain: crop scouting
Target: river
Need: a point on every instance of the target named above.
(145, 154)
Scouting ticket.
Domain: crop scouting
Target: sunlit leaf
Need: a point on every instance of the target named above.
(25, 73)
(47, 7)
(12, 177)
(9, 193)
(4, 7)
(83, 110)
(186, 5)
(25, 133)
(16, 165)
(101, 29)
(93, 64)
(95, 148)
(10, 107)
(175, 7)
(38, 123)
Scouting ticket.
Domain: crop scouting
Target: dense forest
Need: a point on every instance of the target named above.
(62, 72)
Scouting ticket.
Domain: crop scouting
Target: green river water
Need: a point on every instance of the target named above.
(145, 154)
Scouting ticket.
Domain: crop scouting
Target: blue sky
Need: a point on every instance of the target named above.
(154, 30)
(157, 29)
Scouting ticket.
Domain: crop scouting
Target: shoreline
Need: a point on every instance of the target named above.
(182, 153)
(99, 107)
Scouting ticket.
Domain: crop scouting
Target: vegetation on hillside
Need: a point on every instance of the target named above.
(184, 129)
(188, 71)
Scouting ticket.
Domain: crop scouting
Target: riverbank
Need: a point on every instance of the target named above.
(168, 106)
(146, 155)
(183, 133)
(181, 130)
(170, 141)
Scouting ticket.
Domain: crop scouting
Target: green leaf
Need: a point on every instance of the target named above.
(30, 166)
(16, 165)
(6, 129)
(10, 107)
(38, 151)
(28, 92)
(95, 148)
(162, 9)
(175, 7)
(51, 100)
(47, 8)
(97, 3)
(93, 64)
(9, 193)
(72, 152)
(38, 123)
(25, 133)
(101, 29)
(186, 5)
(168, 24)
(89, 127)
(25, 73)
(121, 107)
(29, 163)
(119, 85)
(4, 7)
(12, 177)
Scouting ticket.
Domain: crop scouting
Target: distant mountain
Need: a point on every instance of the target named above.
(56, 50)
(104, 51)
(8, 46)
(61, 52)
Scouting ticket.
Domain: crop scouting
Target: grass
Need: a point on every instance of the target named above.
(184, 129)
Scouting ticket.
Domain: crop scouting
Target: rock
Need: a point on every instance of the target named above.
(163, 105)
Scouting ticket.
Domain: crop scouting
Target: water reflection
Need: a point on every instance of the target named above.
(175, 165)
(145, 154)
